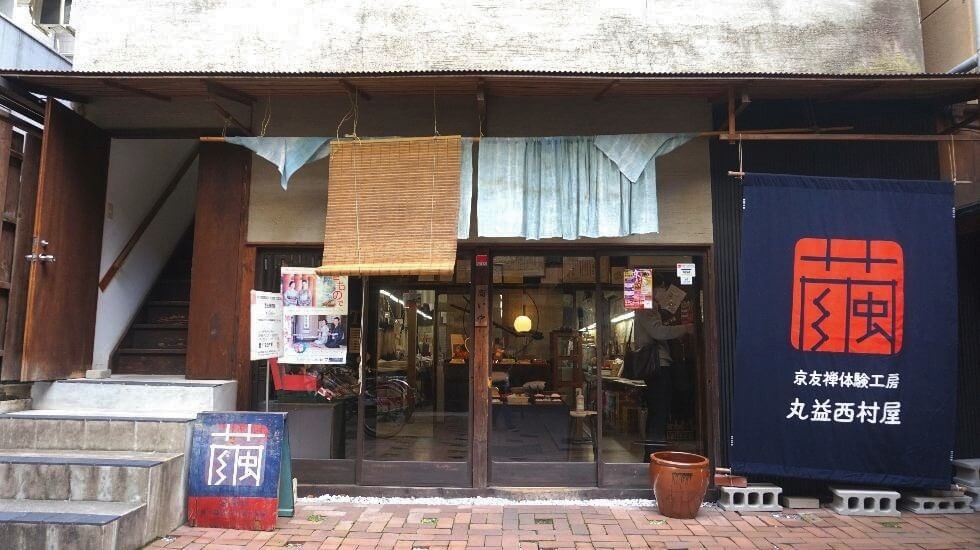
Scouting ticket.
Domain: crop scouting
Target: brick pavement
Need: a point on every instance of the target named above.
(412, 526)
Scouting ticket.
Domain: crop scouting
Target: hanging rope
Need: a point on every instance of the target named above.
(267, 118)
(435, 117)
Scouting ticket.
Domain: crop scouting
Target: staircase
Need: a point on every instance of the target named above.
(156, 342)
(100, 464)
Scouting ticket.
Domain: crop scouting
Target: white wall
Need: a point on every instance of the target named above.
(139, 170)
(543, 35)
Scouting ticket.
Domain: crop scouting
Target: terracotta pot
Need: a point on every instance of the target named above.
(679, 481)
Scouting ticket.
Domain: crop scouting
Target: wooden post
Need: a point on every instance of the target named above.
(480, 375)
(216, 281)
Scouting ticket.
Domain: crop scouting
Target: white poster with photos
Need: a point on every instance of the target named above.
(315, 309)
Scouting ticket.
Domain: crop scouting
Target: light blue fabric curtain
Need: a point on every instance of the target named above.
(289, 154)
(567, 187)
(465, 188)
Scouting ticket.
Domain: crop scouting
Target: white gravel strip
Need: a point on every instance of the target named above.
(483, 501)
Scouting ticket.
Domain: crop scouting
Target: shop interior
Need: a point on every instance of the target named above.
(560, 334)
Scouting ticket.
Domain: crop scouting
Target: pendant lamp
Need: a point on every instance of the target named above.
(522, 323)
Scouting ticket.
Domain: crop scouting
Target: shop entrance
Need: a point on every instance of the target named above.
(566, 408)
(416, 392)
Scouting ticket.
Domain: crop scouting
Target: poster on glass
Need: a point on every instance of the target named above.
(315, 313)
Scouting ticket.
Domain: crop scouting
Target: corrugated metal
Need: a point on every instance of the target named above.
(941, 88)
(968, 388)
(836, 159)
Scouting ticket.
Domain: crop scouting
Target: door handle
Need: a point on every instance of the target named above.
(35, 257)
(39, 257)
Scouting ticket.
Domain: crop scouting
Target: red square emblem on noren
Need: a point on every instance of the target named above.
(848, 296)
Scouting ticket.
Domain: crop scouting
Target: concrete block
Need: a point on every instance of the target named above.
(861, 501)
(924, 504)
(122, 435)
(98, 374)
(17, 433)
(14, 405)
(799, 503)
(967, 472)
(974, 494)
(96, 436)
(58, 434)
(756, 497)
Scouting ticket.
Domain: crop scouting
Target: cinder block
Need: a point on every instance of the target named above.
(923, 504)
(799, 503)
(756, 497)
(862, 501)
(967, 472)
(974, 494)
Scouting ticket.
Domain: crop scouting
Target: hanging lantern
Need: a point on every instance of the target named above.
(522, 323)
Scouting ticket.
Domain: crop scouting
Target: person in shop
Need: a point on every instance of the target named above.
(651, 330)
(336, 336)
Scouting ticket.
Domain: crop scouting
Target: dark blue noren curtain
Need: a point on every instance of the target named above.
(845, 361)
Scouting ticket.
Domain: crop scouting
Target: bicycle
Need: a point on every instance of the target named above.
(390, 402)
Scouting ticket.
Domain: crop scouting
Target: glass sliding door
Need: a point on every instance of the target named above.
(645, 408)
(543, 425)
(416, 392)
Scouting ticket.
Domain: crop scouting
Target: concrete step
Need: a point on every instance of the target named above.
(96, 430)
(967, 472)
(136, 393)
(14, 405)
(155, 479)
(63, 525)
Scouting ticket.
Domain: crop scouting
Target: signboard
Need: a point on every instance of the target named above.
(846, 353)
(265, 325)
(685, 272)
(314, 325)
(638, 288)
(235, 468)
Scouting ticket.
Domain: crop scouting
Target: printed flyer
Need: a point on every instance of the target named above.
(638, 288)
(315, 313)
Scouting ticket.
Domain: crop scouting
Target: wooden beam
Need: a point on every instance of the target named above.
(480, 377)
(133, 89)
(243, 371)
(852, 137)
(225, 114)
(350, 87)
(220, 90)
(481, 105)
(163, 133)
(148, 218)
(606, 89)
(48, 91)
(731, 114)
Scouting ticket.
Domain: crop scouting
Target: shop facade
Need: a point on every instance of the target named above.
(440, 358)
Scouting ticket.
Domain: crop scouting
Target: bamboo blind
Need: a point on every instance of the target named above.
(392, 207)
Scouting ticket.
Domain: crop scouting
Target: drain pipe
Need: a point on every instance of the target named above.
(971, 63)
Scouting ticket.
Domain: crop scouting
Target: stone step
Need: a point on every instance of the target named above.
(755, 497)
(925, 504)
(14, 405)
(63, 525)
(136, 393)
(864, 501)
(155, 479)
(96, 430)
